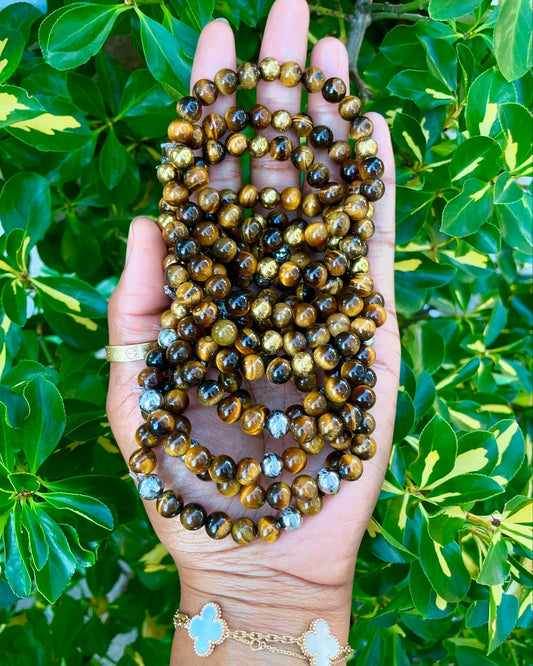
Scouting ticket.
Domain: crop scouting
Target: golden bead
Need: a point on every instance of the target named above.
(253, 419)
(142, 461)
(243, 531)
(268, 528)
(290, 74)
(270, 69)
(281, 120)
(248, 470)
(206, 91)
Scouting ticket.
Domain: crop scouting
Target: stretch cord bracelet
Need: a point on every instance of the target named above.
(208, 629)
(283, 294)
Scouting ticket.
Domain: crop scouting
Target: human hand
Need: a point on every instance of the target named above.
(307, 573)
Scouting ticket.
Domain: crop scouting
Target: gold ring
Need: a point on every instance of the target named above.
(123, 353)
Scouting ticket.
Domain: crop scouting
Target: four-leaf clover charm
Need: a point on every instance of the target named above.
(207, 629)
(319, 645)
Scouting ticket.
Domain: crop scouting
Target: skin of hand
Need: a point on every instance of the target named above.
(277, 587)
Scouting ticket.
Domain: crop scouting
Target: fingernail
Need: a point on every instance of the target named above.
(224, 20)
(129, 245)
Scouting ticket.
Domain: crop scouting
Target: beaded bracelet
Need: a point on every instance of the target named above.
(264, 295)
(208, 629)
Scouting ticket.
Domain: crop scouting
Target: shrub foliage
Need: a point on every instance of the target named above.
(87, 90)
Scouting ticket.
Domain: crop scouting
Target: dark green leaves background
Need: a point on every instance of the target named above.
(86, 93)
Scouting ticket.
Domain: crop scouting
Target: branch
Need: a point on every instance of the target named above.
(359, 22)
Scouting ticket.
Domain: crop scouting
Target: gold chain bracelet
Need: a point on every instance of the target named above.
(208, 629)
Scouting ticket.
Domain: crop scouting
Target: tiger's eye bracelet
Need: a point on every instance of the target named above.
(264, 294)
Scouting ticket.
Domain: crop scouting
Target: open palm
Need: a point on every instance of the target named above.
(323, 551)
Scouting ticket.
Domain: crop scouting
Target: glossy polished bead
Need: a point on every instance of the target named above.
(142, 461)
(169, 504)
(206, 91)
(290, 519)
(349, 467)
(271, 465)
(363, 446)
(270, 69)
(193, 516)
(237, 144)
(268, 528)
(304, 488)
(214, 151)
(218, 525)
(150, 487)
(334, 89)
(189, 108)
(318, 175)
(313, 79)
(294, 459)
(198, 459)
(160, 422)
(258, 146)
(248, 470)
(229, 409)
(229, 488)
(278, 371)
(290, 74)
(243, 531)
(321, 137)
(302, 158)
(365, 148)
(363, 396)
(252, 496)
(180, 131)
(302, 124)
(166, 337)
(340, 151)
(281, 120)
(249, 75)
(328, 481)
(145, 438)
(150, 400)
(226, 81)
(281, 148)
(253, 367)
(361, 127)
(176, 444)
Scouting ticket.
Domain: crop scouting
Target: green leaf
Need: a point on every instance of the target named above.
(513, 45)
(11, 47)
(503, 614)
(24, 482)
(419, 272)
(506, 189)
(486, 93)
(461, 489)
(385, 546)
(52, 579)
(425, 89)
(513, 220)
(71, 296)
(14, 301)
(83, 505)
(437, 449)
(405, 416)
(443, 566)
(426, 347)
(442, 10)
(86, 94)
(163, 55)
(78, 33)
(28, 120)
(496, 565)
(39, 549)
(466, 212)
(113, 160)
(479, 157)
(202, 11)
(425, 394)
(25, 204)
(142, 96)
(16, 570)
(43, 427)
(517, 125)
(496, 323)
(425, 599)
(444, 525)
(511, 450)
(408, 135)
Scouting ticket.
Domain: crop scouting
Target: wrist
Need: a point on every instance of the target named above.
(263, 601)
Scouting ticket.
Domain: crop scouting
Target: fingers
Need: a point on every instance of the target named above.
(285, 39)
(216, 50)
(330, 55)
(139, 298)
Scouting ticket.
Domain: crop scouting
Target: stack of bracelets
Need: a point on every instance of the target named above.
(254, 295)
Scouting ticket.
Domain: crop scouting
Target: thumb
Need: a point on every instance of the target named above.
(139, 298)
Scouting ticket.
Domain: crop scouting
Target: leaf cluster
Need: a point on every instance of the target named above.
(86, 92)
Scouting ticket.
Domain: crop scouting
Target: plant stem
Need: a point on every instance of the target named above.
(405, 17)
(359, 22)
(328, 12)
(342, 27)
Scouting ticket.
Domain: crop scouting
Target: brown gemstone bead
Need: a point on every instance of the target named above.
(331, 193)
(224, 332)
(260, 116)
(258, 146)
(229, 488)
(281, 148)
(150, 378)
(330, 426)
(316, 234)
(290, 74)
(166, 172)
(302, 158)
(206, 91)
(349, 467)
(248, 197)
(349, 107)
(289, 274)
(373, 189)
(243, 531)
(189, 108)
(160, 422)
(360, 128)
(176, 444)
(169, 504)
(214, 151)
(237, 118)
(315, 404)
(214, 126)
(278, 495)
(318, 334)
(218, 525)
(176, 401)
(338, 323)
(229, 409)
(337, 389)
(175, 193)
(326, 357)
(314, 445)
(188, 294)
(268, 528)
(252, 496)
(253, 367)
(196, 178)
(210, 393)
(209, 200)
(142, 461)
(368, 425)
(340, 151)
(303, 428)
(180, 131)
(269, 197)
(375, 313)
(304, 488)
(272, 342)
(313, 79)
(181, 157)
(145, 438)
(363, 228)
(363, 446)
(363, 396)
(245, 264)
(321, 137)
(198, 459)
(294, 342)
(302, 124)
(294, 459)
(222, 469)
(342, 441)
(350, 304)
(226, 81)
(237, 144)
(310, 507)
(334, 89)
(364, 328)
(279, 371)
(249, 75)
(371, 167)
(317, 175)
(281, 120)
(192, 516)
(182, 424)
(365, 148)
(332, 459)
(270, 69)
(189, 330)
(302, 364)
(351, 416)
(253, 419)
